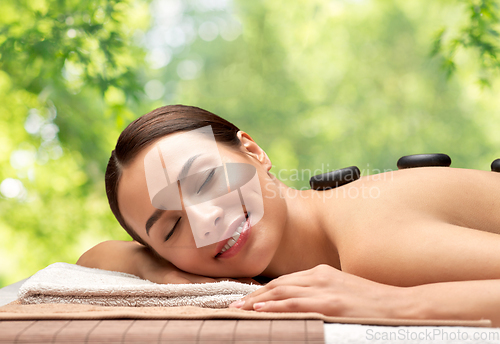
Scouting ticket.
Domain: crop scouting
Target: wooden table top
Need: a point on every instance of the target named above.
(162, 331)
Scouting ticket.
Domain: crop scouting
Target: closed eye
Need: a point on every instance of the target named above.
(207, 180)
(173, 229)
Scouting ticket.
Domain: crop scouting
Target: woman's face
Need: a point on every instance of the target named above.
(210, 220)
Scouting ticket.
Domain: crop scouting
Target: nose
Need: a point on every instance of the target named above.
(216, 220)
(205, 221)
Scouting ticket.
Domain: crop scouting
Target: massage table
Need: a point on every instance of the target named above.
(225, 331)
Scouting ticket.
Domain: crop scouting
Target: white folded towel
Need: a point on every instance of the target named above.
(69, 283)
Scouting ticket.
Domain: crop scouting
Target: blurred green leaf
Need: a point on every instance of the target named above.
(480, 34)
(319, 84)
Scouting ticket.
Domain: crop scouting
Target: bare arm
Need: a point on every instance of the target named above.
(329, 291)
(132, 258)
(428, 270)
(464, 300)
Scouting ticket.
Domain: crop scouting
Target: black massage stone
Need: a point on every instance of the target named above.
(333, 179)
(424, 160)
(495, 165)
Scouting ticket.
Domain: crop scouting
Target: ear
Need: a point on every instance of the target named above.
(253, 149)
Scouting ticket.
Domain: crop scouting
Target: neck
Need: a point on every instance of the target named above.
(308, 236)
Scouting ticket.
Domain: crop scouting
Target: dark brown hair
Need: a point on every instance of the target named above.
(150, 127)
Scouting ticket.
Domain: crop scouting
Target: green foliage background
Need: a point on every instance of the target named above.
(320, 85)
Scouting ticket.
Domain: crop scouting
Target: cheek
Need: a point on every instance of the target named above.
(187, 260)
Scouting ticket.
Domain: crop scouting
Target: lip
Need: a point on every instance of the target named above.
(229, 233)
(238, 245)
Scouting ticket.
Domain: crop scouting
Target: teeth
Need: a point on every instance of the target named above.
(236, 234)
(234, 238)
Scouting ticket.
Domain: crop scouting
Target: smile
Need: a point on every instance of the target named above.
(236, 241)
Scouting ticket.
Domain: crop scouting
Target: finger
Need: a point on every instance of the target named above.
(305, 278)
(291, 305)
(299, 277)
(278, 293)
(299, 280)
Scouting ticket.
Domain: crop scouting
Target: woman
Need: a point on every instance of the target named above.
(419, 243)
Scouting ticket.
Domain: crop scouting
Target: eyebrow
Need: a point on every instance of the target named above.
(187, 166)
(159, 212)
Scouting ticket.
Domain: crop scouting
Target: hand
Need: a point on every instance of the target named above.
(325, 290)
